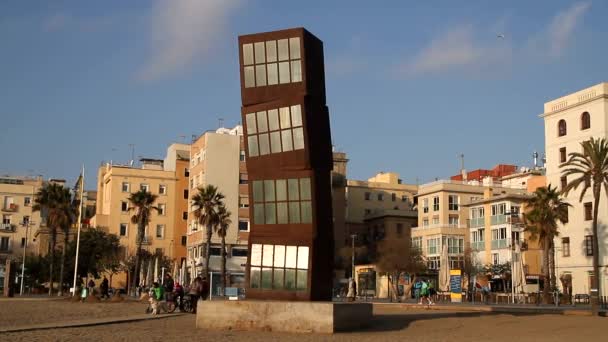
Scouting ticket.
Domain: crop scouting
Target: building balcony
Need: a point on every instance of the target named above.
(477, 222)
(441, 225)
(498, 219)
(10, 208)
(500, 244)
(478, 246)
(7, 227)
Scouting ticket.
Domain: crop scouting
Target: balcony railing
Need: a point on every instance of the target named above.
(442, 225)
(11, 208)
(477, 222)
(478, 246)
(146, 240)
(7, 227)
(500, 244)
(498, 219)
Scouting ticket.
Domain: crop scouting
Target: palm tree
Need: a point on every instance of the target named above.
(67, 215)
(545, 209)
(221, 230)
(207, 203)
(50, 200)
(142, 204)
(591, 171)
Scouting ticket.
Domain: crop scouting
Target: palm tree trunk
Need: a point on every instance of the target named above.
(552, 266)
(596, 254)
(546, 272)
(141, 229)
(207, 252)
(223, 264)
(66, 239)
(53, 243)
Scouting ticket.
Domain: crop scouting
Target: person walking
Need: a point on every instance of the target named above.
(424, 291)
(195, 292)
(168, 285)
(91, 286)
(352, 290)
(104, 287)
(178, 291)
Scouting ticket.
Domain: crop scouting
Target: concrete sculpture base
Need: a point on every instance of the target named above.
(294, 317)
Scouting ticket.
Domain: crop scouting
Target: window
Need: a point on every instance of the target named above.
(433, 263)
(452, 202)
(243, 179)
(186, 172)
(125, 187)
(417, 243)
(123, 229)
(215, 251)
(562, 155)
(453, 221)
(144, 187)
(499, 209)
(186, 193)
(160, 231)
(499, 234)
(279, 267)
(455, 244)
(588, 211)
(184, 215)
(403, 198)
(239, 252)
(162, 189)
(272, 62)
(425, 222)
(425, 205)
(436, 203)
(275, 131)
(495, 259)
(26, 220)
(564, 182)
(124, 206)
(162, 209)
(27, 201)
(184, 240)
(368, 196)
(433, 245)
(282, 201)
(380, 197)
(6, 219)
(399, 229)
(243, 226)
(585, 121)
(435, 220)
(393, 197)
(242, 156)
(588, 245)
(565, 246)
(4, 243)
(561, 128)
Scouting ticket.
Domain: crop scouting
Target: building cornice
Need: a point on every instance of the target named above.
(568, 107)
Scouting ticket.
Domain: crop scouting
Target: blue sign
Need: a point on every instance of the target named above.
(455, 283)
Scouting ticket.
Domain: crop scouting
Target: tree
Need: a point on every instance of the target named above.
(98, 250)
(51, 200)
(397, 257)
(68, 218)
(470, 268)
(207, 202)
(545, 209)
(142, 204)
(590, 170)
(224, 222)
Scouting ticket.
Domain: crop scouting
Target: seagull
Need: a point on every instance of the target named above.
(500, 36)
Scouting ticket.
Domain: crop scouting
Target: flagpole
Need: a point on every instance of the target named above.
(79, 227)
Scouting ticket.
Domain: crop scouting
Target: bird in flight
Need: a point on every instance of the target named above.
(502, 36)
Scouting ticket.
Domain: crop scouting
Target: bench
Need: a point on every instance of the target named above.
(581, 299)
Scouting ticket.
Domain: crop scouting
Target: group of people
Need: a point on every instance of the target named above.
(171, 290)
(424, 291)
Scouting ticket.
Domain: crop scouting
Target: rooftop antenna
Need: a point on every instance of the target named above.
(535, 158)
(220, 122)
(132, 146)
(463, 172)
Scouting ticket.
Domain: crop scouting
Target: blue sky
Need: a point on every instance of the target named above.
(410, 84)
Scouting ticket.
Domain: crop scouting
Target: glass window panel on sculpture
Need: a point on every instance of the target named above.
(275, 142)
(273, 73)
(303, 257)
(269, 190)
(271, 50)
(294, 48)
(296, 115)
(286, 139)
(262, 123)
(252, 141)
(279, 256)
(296, 71)
(291, 256)
(264, 144)
(281, 187)
(282, 213)
(302, 280)
(270, 213)
(305, 188)
(249, 77)
(294, 212)
(298, 138)
(268, 256)
(290, 280)
(251, 125)
(267, 278)
(294, 193)
(284, 73)
(255, 277)
(260, 75)
(256, 255)
(279, 274)
(284, 114)
(260, 53)
(273, 119)
(258, 213)
(306, 212)
(283, 49)
(247, 54)
(258, 191)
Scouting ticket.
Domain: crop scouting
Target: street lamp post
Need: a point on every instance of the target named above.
(353, 236)
(27, 230)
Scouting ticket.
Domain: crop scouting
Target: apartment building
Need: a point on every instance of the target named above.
(570, 120)
(443, 213)
(218, 158)
(166, 231)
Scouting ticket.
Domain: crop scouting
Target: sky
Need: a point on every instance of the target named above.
(411, 85)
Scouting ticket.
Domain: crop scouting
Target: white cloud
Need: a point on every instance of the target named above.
(561, 29)
(182, 32)
(457, 48)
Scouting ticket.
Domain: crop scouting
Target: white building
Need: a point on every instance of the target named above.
(570, 120)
